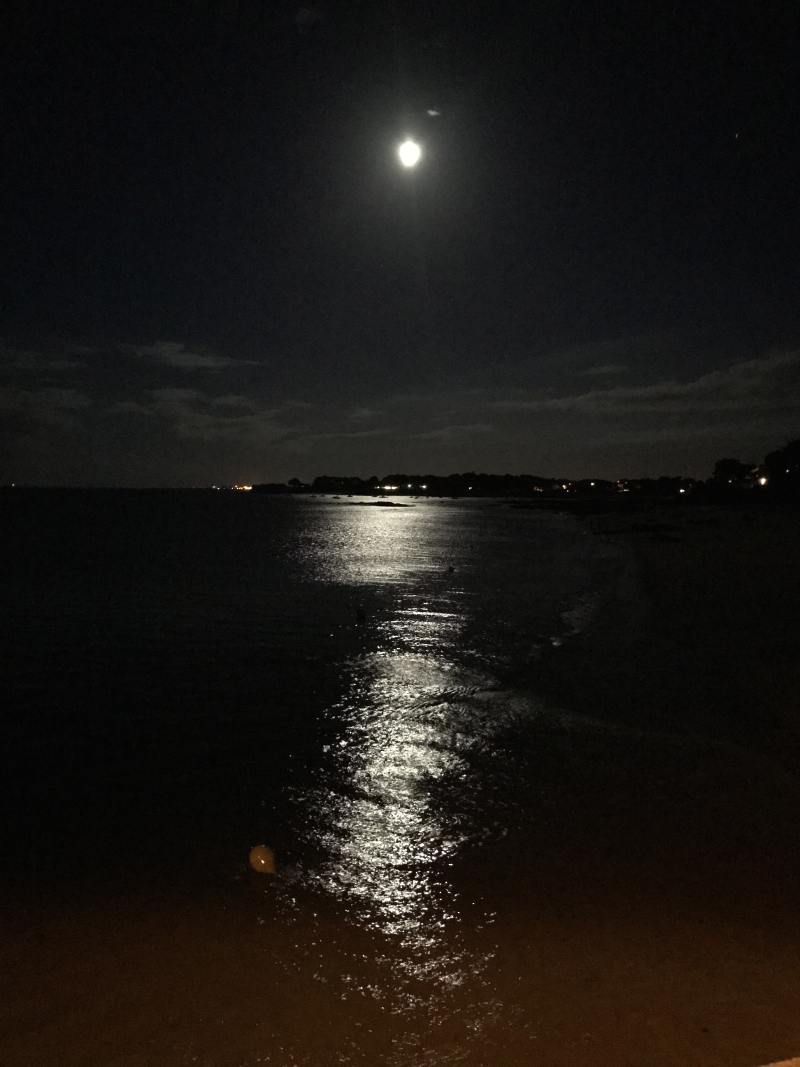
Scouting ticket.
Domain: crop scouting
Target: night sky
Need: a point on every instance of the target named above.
(215, 270)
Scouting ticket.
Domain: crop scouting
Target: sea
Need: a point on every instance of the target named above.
(433, 712)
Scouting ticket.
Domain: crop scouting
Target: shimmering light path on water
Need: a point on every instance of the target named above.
(469, 870)
(411, 713)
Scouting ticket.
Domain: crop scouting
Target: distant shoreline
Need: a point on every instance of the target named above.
(573, 499)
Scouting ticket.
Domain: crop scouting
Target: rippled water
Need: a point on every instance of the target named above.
(375, 693)
(331, 661)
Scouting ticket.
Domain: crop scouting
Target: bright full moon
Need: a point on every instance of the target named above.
(409, 153)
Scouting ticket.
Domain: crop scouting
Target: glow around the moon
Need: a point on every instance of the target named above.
(409, 153)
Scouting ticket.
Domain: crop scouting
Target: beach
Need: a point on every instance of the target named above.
(630, 899)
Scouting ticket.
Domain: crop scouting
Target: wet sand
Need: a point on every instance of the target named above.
(559, 955)
(638, 905)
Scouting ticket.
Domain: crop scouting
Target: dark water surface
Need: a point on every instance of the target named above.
(185, 663)
(188, 674)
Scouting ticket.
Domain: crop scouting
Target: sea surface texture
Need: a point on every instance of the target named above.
(318, 672)
(413, 706)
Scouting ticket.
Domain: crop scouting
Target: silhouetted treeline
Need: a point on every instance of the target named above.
(472, 484)
(273, 487)
(778, 477)
(783, 469)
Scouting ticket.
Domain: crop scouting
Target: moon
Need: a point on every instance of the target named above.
(409, 153)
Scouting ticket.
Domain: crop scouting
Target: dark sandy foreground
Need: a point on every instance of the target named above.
(225, 981)
(642, 910)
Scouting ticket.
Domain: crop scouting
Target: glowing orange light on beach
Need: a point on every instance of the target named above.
(262, 859)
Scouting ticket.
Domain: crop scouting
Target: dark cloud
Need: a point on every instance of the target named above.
(184, 357)
(755, 386)
(18, 361)
(189, 414)
(49, 406)
(456, 432)
(604, 370)
(179, 433)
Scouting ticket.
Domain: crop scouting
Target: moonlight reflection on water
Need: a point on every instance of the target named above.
(387, 832)
(379, 826)
(445, 596)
